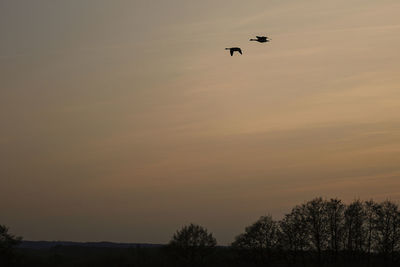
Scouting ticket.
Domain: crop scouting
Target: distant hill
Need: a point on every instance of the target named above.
(51, 244)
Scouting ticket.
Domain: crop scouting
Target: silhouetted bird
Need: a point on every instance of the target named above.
(234, 49)
(261, 39)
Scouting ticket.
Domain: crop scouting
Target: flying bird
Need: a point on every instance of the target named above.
(261, 39)
(234, 49)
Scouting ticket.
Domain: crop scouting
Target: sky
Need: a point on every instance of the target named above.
(125, 120)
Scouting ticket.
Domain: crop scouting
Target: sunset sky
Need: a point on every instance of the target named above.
(124, 120)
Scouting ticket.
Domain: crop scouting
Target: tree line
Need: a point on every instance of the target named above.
(319, 232)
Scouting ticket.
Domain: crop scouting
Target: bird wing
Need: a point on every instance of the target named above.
(231, 52)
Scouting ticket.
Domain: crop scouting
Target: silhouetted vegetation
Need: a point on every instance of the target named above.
(326, 233)
(316, 233)
(7, 244)
(259, 241)
(192, 246)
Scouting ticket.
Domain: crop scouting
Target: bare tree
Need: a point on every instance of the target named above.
(387, 229)
(370, 211)
(293, 235)
(335, 212)
(354, 227)
(7, 244)
(317, 220)
(192, 244)
(259, 238)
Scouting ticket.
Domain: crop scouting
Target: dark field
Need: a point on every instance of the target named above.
(163, 256)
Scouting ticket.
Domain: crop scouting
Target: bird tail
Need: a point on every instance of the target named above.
(227, 48)
(253, 39)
